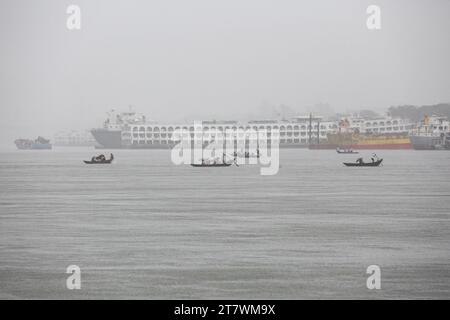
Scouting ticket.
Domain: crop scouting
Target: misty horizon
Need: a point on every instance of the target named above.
(178, 61)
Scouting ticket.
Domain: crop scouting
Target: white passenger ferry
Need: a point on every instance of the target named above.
(133, 130)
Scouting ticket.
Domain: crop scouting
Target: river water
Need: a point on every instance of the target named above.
(144, 228)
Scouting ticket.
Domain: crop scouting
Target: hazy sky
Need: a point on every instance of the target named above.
(185, 59)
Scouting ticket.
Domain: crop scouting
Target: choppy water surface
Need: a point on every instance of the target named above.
(145, 228)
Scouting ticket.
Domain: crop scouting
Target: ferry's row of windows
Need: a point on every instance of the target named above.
(168, 142)
(384, 129)
(281, 128)
(382, 123)
(394, 123)
(169, 135)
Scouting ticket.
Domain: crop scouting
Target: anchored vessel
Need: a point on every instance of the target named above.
(133, 130)
(358, 133)
(346, 151)
(366, 141)
(39, 144)
(433, 133)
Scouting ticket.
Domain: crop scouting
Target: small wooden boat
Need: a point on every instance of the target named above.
(206, 165)
(246, 155)
(364, 164)
(98, 162)
(105, 161)
(346, 151)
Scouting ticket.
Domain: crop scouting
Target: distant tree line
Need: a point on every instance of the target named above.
(416, 114)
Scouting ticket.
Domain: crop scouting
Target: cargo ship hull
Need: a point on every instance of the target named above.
(398, 146)
(365, 142)
(431, 143)
(432, 134)
(107, 139)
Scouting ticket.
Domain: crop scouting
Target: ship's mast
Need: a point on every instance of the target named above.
(310, 128)
(318, 131)
(202, 144)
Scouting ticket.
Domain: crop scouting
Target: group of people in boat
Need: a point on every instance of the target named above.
(215, 161)
(102, 158)
(374, 158)
(246, 154)
(339, 150)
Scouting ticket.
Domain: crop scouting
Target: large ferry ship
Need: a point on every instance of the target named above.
(133, 130)
(433, 133)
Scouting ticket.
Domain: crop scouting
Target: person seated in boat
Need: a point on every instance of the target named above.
(100, 158)
(360, 161)
(111, 156)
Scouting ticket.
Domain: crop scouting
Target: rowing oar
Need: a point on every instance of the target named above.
(234, 158)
